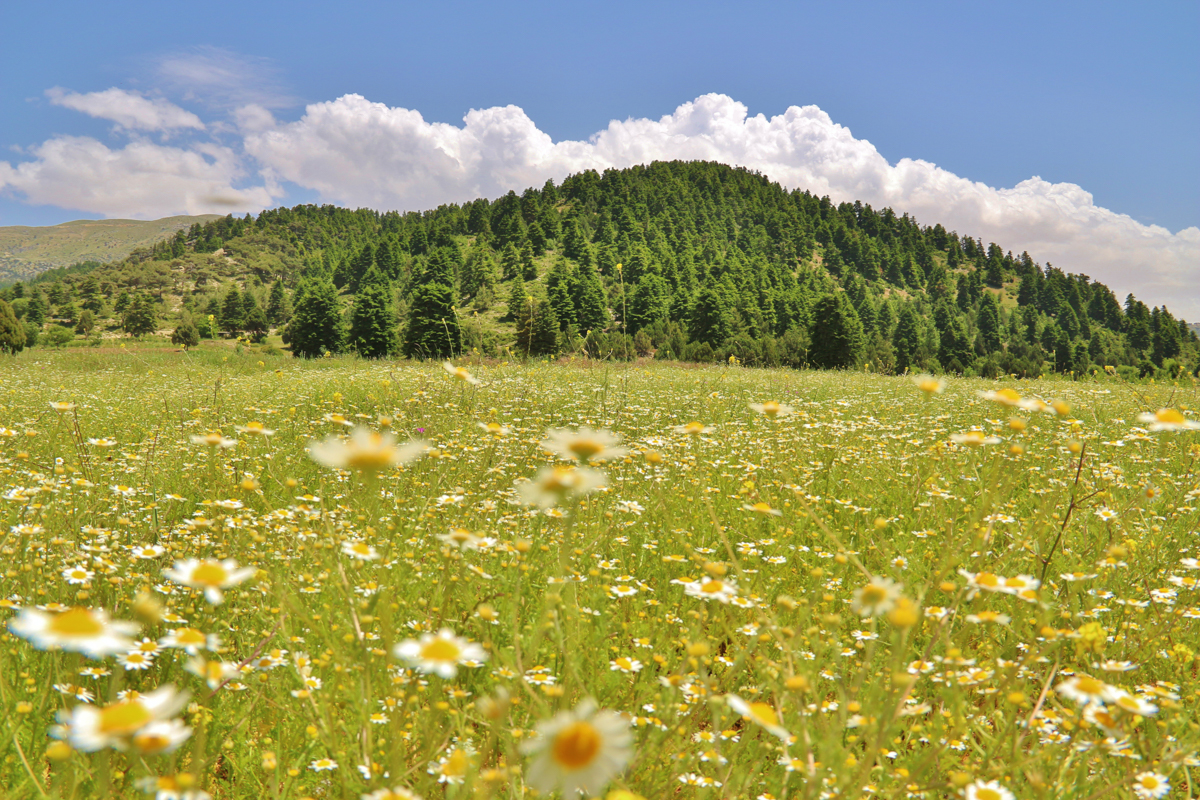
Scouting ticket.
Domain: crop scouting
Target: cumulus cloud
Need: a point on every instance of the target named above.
(361, 153)
(141, 180)
(127, 109)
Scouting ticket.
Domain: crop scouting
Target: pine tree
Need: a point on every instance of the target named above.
(279, 308)
(374, 331)
(516, 297)
(990, 328)
(432, 330)
(711, 319)
(140, 316)
(837, 337)
(544, 335)
(12, 332)
(907, 339)
(559, 282)
(186, 334)
(649, 303)
(316, 324)
(588, 299)
(233, 314)
(86, 323)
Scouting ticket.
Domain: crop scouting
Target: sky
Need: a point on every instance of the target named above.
(1068, 130)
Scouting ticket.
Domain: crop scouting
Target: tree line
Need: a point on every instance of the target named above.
(683, 260)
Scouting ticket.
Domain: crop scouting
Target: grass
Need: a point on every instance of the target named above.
(845, 549)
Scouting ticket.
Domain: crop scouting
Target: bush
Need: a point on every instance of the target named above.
(58, 336)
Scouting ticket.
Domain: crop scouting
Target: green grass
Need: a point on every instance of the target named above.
(866, 485)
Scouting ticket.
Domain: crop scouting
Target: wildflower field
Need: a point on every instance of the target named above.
(230, 578)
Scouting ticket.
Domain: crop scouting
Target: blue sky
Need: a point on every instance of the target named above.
(206, 107)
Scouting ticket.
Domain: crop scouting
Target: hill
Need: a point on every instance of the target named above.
(685, 260)
(27, 251)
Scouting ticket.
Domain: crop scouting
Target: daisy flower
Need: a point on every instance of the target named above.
(359, 549)
(1085, 690)
(396, 793)
(90, 728)
(712, 589)
(1169, 419)
(1151, 785)
(323, 765)
(214, 439)
(366, 450)
(440, 654)
(583, 445)
(974, 439)
(578, 751)
(929, 384)
(460, 373)
(876, 598)
(82, 630)
(553, 485)
(254, 429)
(693, 428)
(210, 575)
(760, 713)
(987, 790)
(772, 409)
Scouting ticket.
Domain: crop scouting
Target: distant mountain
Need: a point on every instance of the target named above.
(26, 252)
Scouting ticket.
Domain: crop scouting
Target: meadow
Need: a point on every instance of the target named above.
(236, 575)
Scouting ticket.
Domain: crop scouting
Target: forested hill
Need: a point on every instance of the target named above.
(684, 260)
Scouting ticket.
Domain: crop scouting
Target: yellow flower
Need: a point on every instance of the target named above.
(1169, 419)
(929, 384)
(460, 373)
(772, 409)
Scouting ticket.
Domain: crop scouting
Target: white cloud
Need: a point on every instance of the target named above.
(223, 78)
(360, 153)
(127, 109)
(141, 180)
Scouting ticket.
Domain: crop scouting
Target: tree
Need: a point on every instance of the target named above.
(37, 309)
(711, 318)
(588, 298)
(140, 316)
(544, 338)
(432, 330)
(279, 308)
(989, 323)
(316, 325)
(374, 331)
(12, 332)
(86, 323)
(907, 339)
(837, 337)
(186, 334)
(233, 314)
(649, 303)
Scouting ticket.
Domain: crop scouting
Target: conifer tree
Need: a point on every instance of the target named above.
(233, 313)
(279, 308)
(516, 297)
(544, 335)
(989, 323)
(374, 331)
(837, 337)
(12, 332)
(591, 312)
(432, 330)
(316, 324)
(907, 339)
(140, 317)
(186, 334)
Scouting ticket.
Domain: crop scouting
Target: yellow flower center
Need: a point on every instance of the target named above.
(577, 745)
(987, 580)
(1090, 686)
(584, 449)
(988, 794)
(189, 636)
(441, 650)
(1170, 416)
(770, 408)
(712, 587)
(210, 573)
(76, 622)
(456, 764)
(694, 427)
(1008, 396)
(123, 717)
(763, 714)
(151, 743)
(872, 595)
